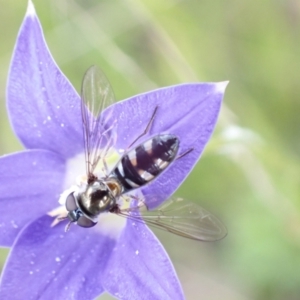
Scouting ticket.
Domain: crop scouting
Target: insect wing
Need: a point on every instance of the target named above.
(99, 129)
(182, 218)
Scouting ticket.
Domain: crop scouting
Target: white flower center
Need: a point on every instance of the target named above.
(75, 179)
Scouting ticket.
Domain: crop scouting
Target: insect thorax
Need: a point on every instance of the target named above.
(99, 196)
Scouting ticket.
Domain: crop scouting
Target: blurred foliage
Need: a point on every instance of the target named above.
(249, 173)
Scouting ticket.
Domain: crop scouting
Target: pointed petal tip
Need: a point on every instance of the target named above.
(30, 9)
(221, 86)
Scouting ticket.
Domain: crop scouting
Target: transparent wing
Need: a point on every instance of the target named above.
(180, 217)
(99, 129)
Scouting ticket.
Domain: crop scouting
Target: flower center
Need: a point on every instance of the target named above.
(109, 224)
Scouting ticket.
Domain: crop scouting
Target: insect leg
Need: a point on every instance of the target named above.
(184, 153)
(140, 202)
(102, 155)
(146, 129)
(105, 168)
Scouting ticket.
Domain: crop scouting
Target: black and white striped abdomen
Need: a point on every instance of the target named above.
(145, 162)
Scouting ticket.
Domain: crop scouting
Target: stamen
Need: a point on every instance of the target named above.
(60, 213)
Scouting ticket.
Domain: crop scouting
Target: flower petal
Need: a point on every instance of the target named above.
(189, 111)
(44, 108)
(47, 263)
(31, 182)
(139, 267)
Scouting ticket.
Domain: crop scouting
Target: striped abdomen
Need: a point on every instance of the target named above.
(145, 162)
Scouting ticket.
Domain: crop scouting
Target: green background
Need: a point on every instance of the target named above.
(249, 172)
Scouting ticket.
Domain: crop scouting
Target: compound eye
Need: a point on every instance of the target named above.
(71, 203)
(85, 222)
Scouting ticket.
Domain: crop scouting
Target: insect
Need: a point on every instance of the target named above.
(137, 167)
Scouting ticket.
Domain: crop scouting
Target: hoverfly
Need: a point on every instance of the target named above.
(136, 168)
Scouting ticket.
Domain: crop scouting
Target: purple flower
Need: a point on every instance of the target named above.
(44, 109)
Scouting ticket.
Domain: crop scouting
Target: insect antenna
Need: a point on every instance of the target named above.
(67, 228)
